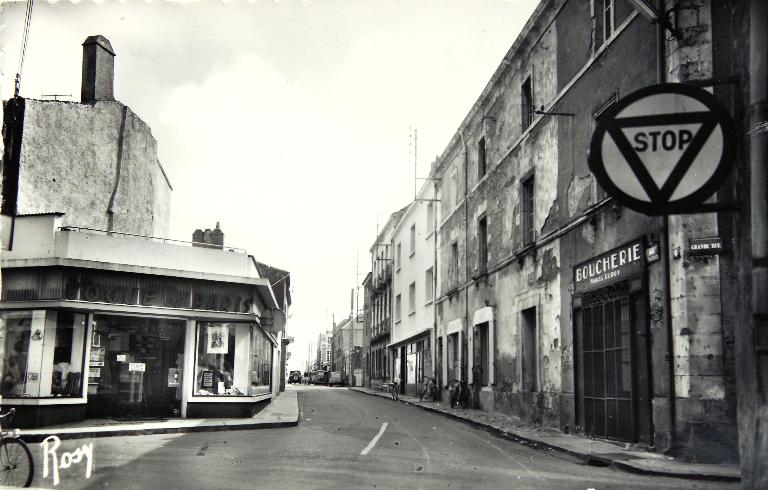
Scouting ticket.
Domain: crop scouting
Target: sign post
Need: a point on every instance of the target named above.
(664, 149)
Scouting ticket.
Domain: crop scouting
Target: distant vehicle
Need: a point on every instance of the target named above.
(319, 377)
(335, 379)
(294, 377)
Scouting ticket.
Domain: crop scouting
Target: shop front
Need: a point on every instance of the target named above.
(100, 343)
(611, 344)
(412, 360)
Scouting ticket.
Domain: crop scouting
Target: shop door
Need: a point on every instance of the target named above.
(136, 367)
(607, 366)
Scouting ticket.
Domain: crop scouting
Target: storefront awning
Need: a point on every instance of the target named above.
(409, 338)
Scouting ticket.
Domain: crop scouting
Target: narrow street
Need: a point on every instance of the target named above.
(339, 443)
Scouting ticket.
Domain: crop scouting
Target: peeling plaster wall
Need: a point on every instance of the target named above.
(512, 153)
(66, 145)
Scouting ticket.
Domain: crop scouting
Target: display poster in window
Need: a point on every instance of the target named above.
(217, 339)
(207, 379)
(174, 375)
(136, 367)
(410, 361)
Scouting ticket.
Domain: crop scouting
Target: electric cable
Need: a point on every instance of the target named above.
(27, 23)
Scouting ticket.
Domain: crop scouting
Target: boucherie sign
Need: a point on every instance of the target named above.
(611, 267)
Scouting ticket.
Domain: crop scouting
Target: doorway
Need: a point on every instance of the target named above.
(135, 367)
(607, 364)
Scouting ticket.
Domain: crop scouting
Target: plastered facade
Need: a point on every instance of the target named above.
(687, 403)
(65, 144)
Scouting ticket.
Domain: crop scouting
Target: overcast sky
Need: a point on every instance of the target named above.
(286, 121)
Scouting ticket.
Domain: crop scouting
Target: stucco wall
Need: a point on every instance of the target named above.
(69, 163)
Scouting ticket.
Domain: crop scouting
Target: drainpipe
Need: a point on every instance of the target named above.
(434, 291)
(758, 95)
(466, 256)
(672, 425)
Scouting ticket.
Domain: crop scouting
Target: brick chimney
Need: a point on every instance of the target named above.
(98, 70)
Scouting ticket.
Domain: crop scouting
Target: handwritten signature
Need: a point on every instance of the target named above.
(66, 459)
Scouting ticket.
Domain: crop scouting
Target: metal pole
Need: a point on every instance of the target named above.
(672, 425)
(758, 94)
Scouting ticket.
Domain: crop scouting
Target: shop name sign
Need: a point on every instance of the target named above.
(664, 149)
(614, 266)
(126, 289)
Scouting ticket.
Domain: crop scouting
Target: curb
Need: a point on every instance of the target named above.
(37, 437)
(588, 458)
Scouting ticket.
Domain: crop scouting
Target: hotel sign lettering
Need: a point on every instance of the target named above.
(611, 267)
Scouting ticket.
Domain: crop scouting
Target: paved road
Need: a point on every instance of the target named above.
(416, 449)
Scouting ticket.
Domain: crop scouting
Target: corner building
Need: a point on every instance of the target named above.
(99, 316)
(553, 296)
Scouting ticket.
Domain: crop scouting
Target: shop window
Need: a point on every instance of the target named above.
(261, 363)
(230, 361)
(42, 354)
(67, 362)
(18, 330)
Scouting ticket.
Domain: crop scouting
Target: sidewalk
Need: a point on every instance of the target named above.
(283, 411)
(594, 452)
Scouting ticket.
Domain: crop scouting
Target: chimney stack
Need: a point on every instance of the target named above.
(98, 70)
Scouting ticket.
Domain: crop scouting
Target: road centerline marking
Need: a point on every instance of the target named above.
(374, 440)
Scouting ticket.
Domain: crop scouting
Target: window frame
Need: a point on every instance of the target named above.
(482, 244)
(528, 208)
(526, 102)
(482, 162)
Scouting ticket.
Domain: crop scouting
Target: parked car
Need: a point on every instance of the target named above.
(294, 377)
(335, 378)
(319, 377)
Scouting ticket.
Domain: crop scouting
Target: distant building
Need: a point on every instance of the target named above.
(382, 256)
(413, 288)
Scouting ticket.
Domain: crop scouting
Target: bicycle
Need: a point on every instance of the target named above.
(394, 389)
(16, 465)
(430, 386)
(460, 396)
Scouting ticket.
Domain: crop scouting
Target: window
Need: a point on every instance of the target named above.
(397, 308)
(42, 354)
(527, 196)
(455, 187)
(413, 240)
(481, 163)
(482, 244)
(399, 255)
(233, 359)
(429, 290)
(412, 298)
(480, 364)
(526, 103)
(430, 218)
(454, 264)
(608, 19)
(529, 339)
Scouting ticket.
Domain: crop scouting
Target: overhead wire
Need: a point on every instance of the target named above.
(25, 38)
